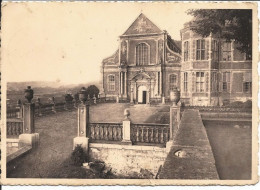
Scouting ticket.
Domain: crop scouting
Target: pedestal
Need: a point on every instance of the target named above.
(82, 141)
(163, 100)
(29, 140)
(126, 132)
(28, 118)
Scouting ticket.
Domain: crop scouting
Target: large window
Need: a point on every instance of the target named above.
(200, 81)
(200, 50)
(214, 82)
(226, 82)
(173, 81)
(142, 54)
(185, 82)
(215, 50)
(186, 51)
(247, 83)
(111, 83)
(226, 51)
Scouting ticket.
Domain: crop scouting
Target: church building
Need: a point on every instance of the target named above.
(149, 64)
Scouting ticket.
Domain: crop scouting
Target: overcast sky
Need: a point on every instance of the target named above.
(67, 41)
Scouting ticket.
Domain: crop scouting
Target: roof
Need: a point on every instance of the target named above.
(142, 25)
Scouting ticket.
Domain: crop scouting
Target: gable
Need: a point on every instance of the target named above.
(142, 25)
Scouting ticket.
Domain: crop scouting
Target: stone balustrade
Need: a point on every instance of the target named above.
(150, 133)
(14, 127)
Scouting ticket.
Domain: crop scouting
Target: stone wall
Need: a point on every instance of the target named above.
(128, 159)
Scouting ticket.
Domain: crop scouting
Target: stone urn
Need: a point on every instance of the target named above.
(28, 94)
(127, 113)
(175, 96)
(83, 95)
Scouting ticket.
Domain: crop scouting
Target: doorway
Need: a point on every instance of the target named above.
(144, 97)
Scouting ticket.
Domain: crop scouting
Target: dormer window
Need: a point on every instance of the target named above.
(142, 54)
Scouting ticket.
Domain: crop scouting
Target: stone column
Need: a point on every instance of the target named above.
(174, 124)
(127, 128)
(148, 96)
(132, 95)
(29, 137)
(126, 84)
(121, 82)
(83, 120)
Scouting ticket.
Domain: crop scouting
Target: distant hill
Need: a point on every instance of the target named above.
(43, 87)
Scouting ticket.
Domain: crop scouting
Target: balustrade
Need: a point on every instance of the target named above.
(13, 112)
(105, 131)
(150, 133)
(14, 127)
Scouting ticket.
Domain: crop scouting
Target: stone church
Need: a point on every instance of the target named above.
(149, 64)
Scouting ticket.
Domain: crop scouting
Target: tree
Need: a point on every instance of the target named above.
(91, 90)
(230, 24)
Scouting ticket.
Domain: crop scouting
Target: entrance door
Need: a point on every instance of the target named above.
(142, 94)
(144, 97)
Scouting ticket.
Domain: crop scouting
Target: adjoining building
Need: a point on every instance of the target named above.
(149, 64)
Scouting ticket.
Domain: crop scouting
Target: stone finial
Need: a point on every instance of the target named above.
(28, 94)
(127, 114)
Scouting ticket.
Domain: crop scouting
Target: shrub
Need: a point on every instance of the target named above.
(78, 156)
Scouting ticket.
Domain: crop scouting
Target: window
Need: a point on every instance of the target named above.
(142, 54)
(200, 50)
(215, 50)
(111, 83)
(186, 51)
(173, 81)
(226, 51)
(247, 83)
(200, 79)
(226, 82)
(185, 82)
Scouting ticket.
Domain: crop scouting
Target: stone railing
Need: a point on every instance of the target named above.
(105, 131)
(13, 112)
(150, 133)
(14, 127)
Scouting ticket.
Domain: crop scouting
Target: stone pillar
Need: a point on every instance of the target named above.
(127, 128)
(29, 137)
(163, 99)
(175, 118)
(117, 99)
(132, 96)
(83, 120)
(148, 96)
(121, 83)
(125, 84)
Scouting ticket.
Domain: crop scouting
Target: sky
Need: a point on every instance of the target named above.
(67, 42)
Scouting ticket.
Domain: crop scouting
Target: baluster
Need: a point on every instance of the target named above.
(161, 139)
(17, 128)
(93, 131)
(97, 133)
(111, 132)
(137, 134)
(142, 134)
(106, 133)
(151, 138)
(157, 135)
(102, 132)
(166, 135)
(147, 134)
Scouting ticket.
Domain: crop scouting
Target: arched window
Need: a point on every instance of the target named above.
(172, 81)
(142, 54)
(111, 83)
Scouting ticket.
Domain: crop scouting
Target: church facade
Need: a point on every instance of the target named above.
(149, 64)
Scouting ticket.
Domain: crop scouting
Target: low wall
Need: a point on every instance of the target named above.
(129, 159)
(226, 115)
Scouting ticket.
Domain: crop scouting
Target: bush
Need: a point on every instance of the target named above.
(78, 156)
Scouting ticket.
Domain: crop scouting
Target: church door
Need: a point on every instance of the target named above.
(144, 97)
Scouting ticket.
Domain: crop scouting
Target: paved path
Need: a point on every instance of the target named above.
(196, 159)
(56, 140)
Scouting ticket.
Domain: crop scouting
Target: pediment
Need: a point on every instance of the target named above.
(142, 25)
